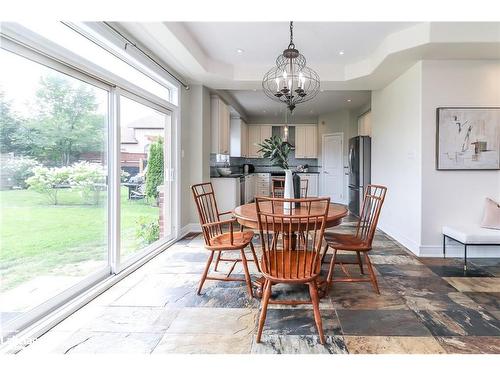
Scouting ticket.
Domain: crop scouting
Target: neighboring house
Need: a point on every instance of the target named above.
(136, 137)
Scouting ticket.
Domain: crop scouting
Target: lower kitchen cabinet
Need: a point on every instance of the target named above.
(227, 192)
(312, 189)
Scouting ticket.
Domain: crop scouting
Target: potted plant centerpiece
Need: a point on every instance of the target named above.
(278, 151)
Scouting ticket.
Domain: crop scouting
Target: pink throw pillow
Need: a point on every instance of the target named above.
(491, 217)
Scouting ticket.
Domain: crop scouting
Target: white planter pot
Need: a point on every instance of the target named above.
(288, 191)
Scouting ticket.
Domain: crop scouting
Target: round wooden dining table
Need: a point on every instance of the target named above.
(246, 215)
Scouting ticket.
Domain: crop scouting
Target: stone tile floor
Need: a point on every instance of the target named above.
(426, 305)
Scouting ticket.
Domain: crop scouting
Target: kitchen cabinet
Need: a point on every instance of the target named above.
(220, 126)
(227, 192)
(262, 184)
(306, 141)
(257, 134)
(239, 138)
(312, 189)
(249, 188)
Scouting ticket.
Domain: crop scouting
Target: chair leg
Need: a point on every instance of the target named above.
(324, 254)
(263, 312)
(373, 277)
(217, 260)
(255, 259)
(444, 246)
(329, 278)
(313, 291)
(360, 263)
(205, 273)
(247, 274)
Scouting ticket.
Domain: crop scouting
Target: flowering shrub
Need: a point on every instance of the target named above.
(89, 179)
(20, 169)
(49, 180)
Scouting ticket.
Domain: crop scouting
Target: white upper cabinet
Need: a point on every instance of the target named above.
(239, 138)
(306, 141)
(257, 134)
(220, 124)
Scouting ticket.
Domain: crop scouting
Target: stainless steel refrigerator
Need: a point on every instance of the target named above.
(359, 171)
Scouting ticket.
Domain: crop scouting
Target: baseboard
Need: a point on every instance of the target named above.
(189, 228)
(401, 238)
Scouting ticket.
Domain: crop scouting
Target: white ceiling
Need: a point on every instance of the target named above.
(262, 42)
(258, 106)
(375, 52)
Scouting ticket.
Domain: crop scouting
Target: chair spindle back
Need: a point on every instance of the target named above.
(208, 212)
(370, 212)
(304, 187)
(291, 242)
(277, 187)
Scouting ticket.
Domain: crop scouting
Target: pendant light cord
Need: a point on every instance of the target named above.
(291, 45)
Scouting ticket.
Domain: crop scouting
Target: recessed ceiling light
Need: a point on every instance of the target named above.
(311, 111)
(264, 111)
(341, 52)
(254, 89)
(349, 100)
(239, 51)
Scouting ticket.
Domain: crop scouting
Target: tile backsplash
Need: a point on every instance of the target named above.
(260, 164)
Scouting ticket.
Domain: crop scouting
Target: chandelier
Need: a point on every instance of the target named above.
(291, 82)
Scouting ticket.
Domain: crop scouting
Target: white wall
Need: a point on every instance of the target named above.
(454, 197)
(420, 199)
(396, 155)
(195, 145)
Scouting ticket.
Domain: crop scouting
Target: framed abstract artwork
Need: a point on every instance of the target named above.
(468, 138)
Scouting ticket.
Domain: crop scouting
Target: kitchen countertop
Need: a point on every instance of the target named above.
(238, 175)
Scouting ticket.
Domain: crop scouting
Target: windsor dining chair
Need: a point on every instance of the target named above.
(218, 240)
(287, 258)
(277, 187)
(360, 241)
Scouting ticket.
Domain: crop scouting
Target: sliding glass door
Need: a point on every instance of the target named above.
(86, 178)
(145, 193)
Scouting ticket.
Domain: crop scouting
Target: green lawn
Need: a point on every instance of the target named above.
(38, 238)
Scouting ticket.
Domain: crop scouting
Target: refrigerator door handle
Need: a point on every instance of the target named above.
(351, 170)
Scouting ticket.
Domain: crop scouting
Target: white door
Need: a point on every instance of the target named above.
(333, 172)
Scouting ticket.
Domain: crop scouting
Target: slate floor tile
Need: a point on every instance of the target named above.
(489, 301)
(470, 344)
(381, 323)
(392, 345)
(82, 342)
(460, 322)
(300, 322)
(132, 319)
(203, 344)
(301, 344)
(419, 285)
(457, 270)
(412, 270)
(475, 284)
